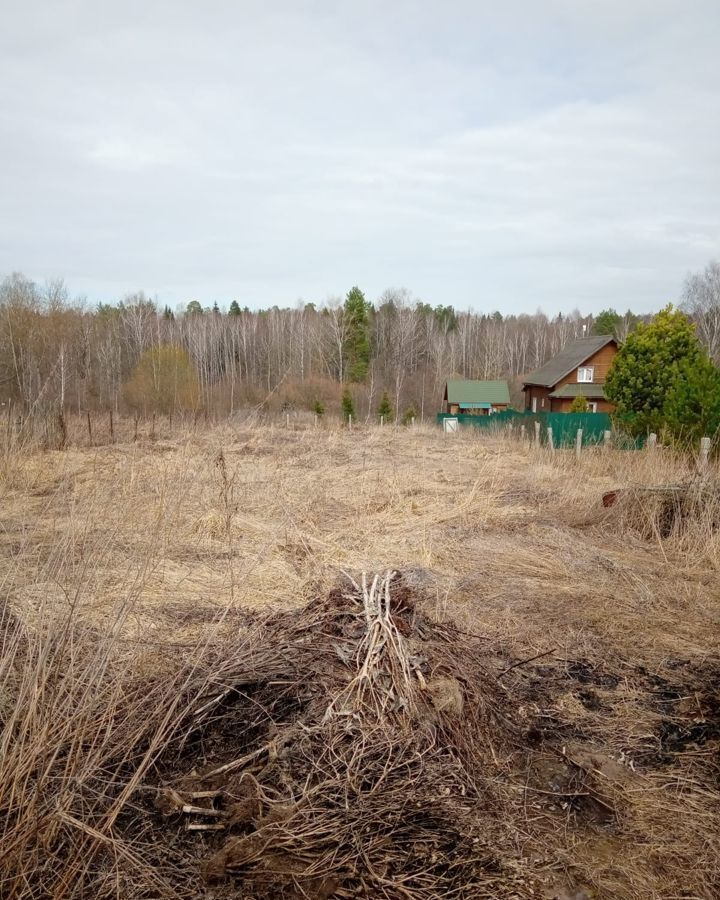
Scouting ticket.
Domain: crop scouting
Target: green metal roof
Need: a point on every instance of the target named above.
(581, 389)
(570, 357)
(496, 392)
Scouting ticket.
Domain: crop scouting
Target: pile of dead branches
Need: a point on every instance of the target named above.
(355, 748)
(352, 754)
(666, 510)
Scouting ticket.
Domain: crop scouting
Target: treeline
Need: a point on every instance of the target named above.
(57, 353)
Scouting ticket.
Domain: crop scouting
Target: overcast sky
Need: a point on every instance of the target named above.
(501, 155)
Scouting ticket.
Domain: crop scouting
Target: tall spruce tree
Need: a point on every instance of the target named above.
(356, 312)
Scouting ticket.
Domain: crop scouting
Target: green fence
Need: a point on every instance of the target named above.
(564, 425)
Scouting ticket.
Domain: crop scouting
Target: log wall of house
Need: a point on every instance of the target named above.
(600, 361)
(542, 394)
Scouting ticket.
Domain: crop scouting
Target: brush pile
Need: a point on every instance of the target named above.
(355, 749)
(352, 754)
(667, 510)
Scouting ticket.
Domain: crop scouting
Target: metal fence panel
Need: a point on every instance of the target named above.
(564, 425)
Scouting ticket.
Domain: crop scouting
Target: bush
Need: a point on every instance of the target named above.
(163, 381)
(692, 405)
(348, 408)
(409, 414)
(318, 408)
(579, 405)
(385, 409)
(646, 368)
(662, 380)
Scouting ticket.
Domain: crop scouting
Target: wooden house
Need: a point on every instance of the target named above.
(476, 398)
(580, 369)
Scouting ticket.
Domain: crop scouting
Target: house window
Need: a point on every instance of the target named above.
(592, 407)
(585, 373)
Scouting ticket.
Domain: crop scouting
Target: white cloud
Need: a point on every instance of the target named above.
(133, 154)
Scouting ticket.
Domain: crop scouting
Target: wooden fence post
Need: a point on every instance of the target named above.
(382, 421)
(89, 428)
(550, 443)
(537, 433)
(607, 437)
(578, 442)
(350, 421)
(704, 452)
(652, 440)
(522, 432)
(316, 419)
(112, 429)
(412, 421)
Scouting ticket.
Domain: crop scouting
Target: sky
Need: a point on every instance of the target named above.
(553, 154)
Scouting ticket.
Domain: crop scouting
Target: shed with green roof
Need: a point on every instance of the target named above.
(480, 398)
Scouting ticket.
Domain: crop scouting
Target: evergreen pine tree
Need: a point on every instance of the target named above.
(385, 409)
(409, 414)
(348, 409)
(606, 322)
(692, 404)
(356, 313)
(647, 366)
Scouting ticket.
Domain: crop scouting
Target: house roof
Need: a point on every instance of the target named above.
(570, 357)
(570, 391)
(478, 392)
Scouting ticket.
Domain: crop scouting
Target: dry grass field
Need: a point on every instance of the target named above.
(543, 683)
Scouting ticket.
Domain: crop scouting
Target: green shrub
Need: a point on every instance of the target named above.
(409, 414)
(692, 404)
(647, 366)
(348, 408)
(385, 409)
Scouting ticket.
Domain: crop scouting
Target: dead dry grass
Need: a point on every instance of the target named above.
(130, 566)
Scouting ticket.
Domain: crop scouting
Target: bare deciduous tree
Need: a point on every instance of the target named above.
(701, 299)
